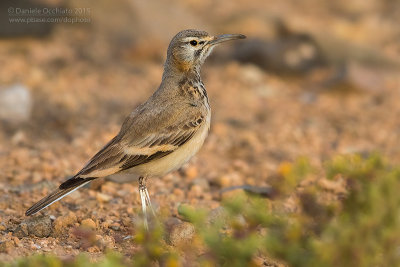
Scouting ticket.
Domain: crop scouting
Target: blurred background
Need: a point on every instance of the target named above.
(314, 78)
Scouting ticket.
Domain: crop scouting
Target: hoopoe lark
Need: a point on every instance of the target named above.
(161, 134)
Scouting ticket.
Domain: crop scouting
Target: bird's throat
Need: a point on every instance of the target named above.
(178, 68)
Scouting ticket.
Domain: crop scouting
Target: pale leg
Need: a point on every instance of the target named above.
(149, 202)
(145, 199)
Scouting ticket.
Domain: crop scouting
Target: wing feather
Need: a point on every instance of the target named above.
(119, 154)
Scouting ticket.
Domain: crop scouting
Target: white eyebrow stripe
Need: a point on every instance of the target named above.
(188, 39)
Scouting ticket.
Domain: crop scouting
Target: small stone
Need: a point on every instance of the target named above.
(127, 237)
(129, 210)
(35, 246)
(89, 223)
(252, 74)
(203, 183)
(98, 238)
(108, 241)
(103, 197)
(229, 179)
(15, 104)
(180, 233)
(106, 224)
(115, 226)
(93, 249)
(6, 246)
(37, 226)
(126, 221)
(224, 181)
(179, 193)
(44, 243)
(61, 223)
(16, 240)
(191, 172)
(40, 226)
(195, 191)
(22, 230)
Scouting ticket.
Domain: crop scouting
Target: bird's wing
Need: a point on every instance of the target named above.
(142, 138)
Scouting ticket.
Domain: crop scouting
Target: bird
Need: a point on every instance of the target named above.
(164, 132)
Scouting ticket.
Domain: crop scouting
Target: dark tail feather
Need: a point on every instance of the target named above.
(74, 181)
(69, 186)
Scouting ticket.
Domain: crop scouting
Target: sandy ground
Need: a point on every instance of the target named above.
(83, 85)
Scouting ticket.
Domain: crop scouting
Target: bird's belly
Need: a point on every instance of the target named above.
(177, 158)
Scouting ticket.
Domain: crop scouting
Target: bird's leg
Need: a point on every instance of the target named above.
(149, 201)
(142, 193)
(145, 199)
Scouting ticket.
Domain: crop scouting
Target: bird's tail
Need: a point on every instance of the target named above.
(65, 189)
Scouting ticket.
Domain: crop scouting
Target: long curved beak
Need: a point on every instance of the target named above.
(226, 37)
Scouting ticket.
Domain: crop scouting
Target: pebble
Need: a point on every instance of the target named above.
(6, 246)
(35, 246)
(103, 197)
(2, 226)
(37, 226)
(229, 179)
(106, 223)
(15, 104)
(203, 183)
(195, 191)
(17, 242)
(108, 188)
(22, 230)
(224, 181)
(89, 223)
(40, 226)
(252, 74)
(126, 221)
(61, 223)
(191, 172)
(127, 237)
(179, 193)
(93, 249)
(107, 241)
(115, 226)
(180, 233)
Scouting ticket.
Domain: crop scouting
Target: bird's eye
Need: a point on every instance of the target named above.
(193, 42)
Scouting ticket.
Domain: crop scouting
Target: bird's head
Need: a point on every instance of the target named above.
(189, 48)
